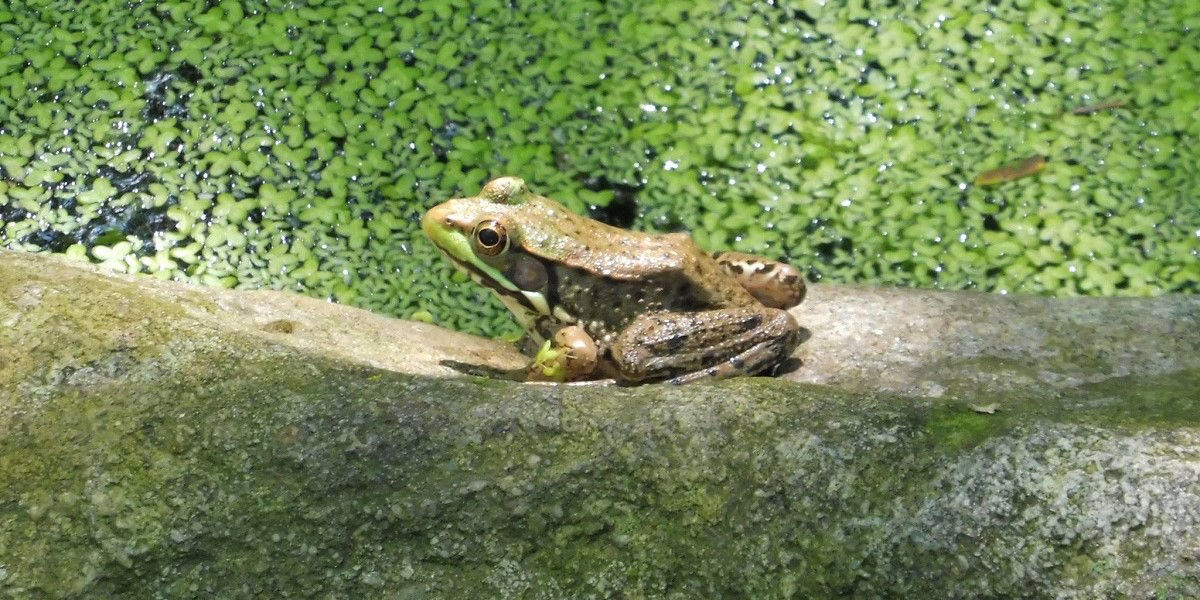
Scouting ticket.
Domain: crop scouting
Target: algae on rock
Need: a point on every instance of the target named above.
(160, 440)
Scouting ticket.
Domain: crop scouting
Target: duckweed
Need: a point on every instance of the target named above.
(266, 144)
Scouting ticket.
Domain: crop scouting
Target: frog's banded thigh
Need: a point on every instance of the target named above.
(776, 284)
(661, 345)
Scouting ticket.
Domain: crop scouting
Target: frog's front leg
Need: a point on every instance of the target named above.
(775, 284)
(684, 347)
(570, 356)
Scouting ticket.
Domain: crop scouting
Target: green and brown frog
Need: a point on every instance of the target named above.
(605, 302)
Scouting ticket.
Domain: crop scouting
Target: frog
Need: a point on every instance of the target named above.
(612, 304)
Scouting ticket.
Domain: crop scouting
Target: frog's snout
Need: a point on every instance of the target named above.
(435, 219)
(452, 215)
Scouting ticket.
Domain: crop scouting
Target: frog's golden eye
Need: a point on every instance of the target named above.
(490, 237)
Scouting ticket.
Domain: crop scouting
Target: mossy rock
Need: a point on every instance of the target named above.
(168, 441)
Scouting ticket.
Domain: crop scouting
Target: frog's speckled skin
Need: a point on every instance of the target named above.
(657, 306)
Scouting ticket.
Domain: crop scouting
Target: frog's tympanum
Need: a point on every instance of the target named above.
(605, 302)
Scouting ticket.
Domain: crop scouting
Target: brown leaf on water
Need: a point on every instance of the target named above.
(1088, 109)
(1013, 170)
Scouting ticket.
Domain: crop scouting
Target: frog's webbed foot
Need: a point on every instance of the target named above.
(706, 344)
(776, 284)
(571, 356)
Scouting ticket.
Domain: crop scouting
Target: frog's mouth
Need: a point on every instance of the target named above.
(525, 305)
(520, 303)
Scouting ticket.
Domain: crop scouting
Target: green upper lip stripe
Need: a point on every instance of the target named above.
(488, 276)
(494, 285)
(459, 249)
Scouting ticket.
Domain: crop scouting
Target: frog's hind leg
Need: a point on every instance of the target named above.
(776, 284)
(765, 354)
(684, 347)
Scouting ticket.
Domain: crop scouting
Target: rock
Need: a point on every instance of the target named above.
(157, 439)
(919, 342)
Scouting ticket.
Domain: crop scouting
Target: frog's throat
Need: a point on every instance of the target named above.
(525, 305)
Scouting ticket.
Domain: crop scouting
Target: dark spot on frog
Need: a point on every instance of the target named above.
(751, 323)
(281, 326)
(767, 268)
(553, 297)
(676, 342)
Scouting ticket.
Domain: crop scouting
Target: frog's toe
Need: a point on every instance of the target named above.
(571, 356)
(549, 364)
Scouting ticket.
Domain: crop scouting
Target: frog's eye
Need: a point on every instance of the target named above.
(490, 237)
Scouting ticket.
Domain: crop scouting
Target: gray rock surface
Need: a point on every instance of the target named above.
(932, 343)
(162, 440)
